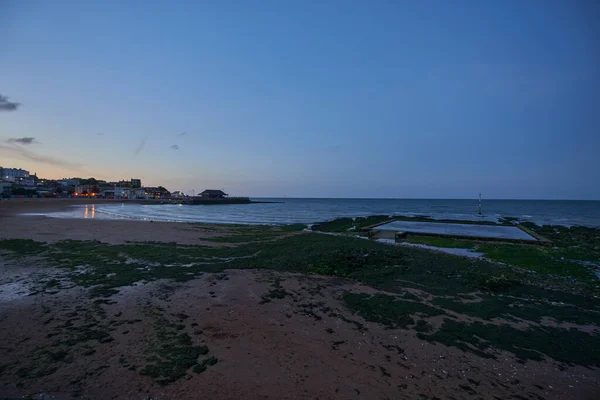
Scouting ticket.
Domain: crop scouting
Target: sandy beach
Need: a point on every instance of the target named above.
(48, 229)
(260, 333)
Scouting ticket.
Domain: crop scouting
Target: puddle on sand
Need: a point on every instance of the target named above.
(449, 250)
(13, 291)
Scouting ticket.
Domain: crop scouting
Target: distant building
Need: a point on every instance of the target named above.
(132, 183)
(138, 193)
(29, 183)
(110, 193)
(46, 182)
(69, 182)
(86, 189)
(177, 193)
(122, 193)
(213, 194)
(156, 192)
(45, 189)
(5, 188)
(13, 174)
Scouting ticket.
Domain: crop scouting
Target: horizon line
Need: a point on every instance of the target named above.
(415, 198)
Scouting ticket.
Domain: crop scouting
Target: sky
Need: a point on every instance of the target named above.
(386, 99)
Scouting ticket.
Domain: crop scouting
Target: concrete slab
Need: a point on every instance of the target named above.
(469, 230)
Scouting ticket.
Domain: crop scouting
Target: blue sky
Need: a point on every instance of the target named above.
(309, 99)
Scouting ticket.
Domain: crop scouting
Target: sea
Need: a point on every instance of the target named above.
(309, 211)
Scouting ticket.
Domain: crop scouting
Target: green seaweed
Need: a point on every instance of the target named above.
(173, 352)
(568, 346)
(391, 311)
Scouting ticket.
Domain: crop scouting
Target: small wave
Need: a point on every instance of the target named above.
(309, 211)
(123, 216)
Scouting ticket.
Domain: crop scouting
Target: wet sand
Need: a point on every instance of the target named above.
(16, 206)
(290, 348)
(48, 229)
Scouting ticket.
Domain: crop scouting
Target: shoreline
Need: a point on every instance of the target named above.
(43, 228)
(16, 206)
(43, 207)
(272, 212)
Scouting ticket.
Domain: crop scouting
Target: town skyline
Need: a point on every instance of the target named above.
(198, 188)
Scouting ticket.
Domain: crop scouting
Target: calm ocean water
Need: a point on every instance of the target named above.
(586, 213)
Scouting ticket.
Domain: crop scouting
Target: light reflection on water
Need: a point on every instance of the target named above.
(89, 211)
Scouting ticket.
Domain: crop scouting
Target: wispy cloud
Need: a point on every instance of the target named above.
(21, 153)
(6, 105)
(23, 140)
(140, 146)
(175, 147)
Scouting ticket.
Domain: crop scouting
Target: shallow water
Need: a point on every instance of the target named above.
(483, 231)
(449, 250)
(585, 213)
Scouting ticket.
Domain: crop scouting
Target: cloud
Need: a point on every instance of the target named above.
(183, 134)
(28, 155)
(22, 140)
(6, 105)
(175, 147)
(140, 146)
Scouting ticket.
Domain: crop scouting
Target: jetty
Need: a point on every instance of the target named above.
(215, 197)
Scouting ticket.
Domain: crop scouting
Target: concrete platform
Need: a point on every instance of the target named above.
(463, 230)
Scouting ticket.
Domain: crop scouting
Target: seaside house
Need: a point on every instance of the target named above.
(138, 193)
(5, 188)
(108, 193)
(156, 192)
(213, 194)
(122, 193)
(13, 174)
(68, 182)
(86, 189)
(131, 183)
(29, 183)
